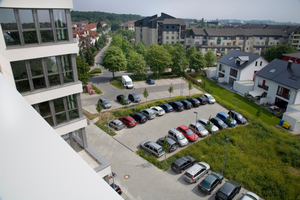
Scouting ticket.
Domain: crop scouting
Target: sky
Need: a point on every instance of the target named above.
(277, 10)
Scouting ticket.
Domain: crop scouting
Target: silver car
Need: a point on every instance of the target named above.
(152, 148)
(149, 113)
(178, 137)
(250, 196)
(194, 173)
(203, 121)
(158, 110)
(198, 129)
(116, 124)
(210, 99)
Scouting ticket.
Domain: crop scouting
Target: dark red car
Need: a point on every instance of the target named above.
(128, 121)
(188, 133)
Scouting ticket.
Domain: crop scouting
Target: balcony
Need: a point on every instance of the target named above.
(265, 87)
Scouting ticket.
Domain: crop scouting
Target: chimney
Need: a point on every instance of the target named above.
(289, 66)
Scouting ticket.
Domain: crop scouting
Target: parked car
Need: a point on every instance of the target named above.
(194, 102)
(158, 110)
(188, 133)
(116, 124)
(238, 117)
(198, 129)
(218, 122)
(104, 103)
(186, 104)
(177, 105)
(134, 98)
(119, 98)
(116, 188)
(228, 191)
(139, 117)
(177, 137)
(128, 121)
(210, 99)
(149, 113)
(202, 100)
(182, 164)
(152, 148)
(210, 182)
(203, 121)
(150, 81)
(167, 107)
(250, 196)
(223, 116)
(194, 173)
(172, 144)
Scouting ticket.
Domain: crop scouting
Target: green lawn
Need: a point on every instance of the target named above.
(117, 82)
(242, 103)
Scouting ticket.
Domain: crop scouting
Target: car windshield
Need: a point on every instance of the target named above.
(180, 137)
(210, 97)
(135, 96)
(119, 123)
(239, 116)
(221, 122)
(200, 128)
(205, 184)
(222, 195)
(189, 132)
(132, 121)
(129, 82)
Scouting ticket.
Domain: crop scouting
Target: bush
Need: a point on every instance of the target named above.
(96, 71)
(139, 77)
(117, 82)
(105, 129)
(98, 91)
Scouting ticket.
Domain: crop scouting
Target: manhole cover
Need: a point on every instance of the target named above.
(126, 176)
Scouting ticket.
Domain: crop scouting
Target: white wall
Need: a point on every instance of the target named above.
(67, 4)
(243, 87)
(248, 72)
(70, 127)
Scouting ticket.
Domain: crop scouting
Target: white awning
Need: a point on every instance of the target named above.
(257, 92)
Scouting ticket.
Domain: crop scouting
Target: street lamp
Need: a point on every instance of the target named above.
(235, 104)
(196, 123)
(227, 140)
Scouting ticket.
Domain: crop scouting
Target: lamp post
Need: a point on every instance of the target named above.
(196, 123)
(235, 104)
(227, 140)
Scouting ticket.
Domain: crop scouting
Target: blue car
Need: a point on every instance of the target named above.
(150, 81)
(167, 107)
(223, 116)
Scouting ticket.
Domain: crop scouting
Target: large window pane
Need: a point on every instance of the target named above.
(44, 18)
(23, 86)
(72, 103)
(26, 19)
(30, 37)
(62, 34)
(49, 120)
(19, 70)
(73, 114)
(36, 67)
(44, 109)
(51, 64)
(65, 63)
(60, 18)
(68, 77)
(47, 35)
(39, 83)
(11, 38)
(54, 80)
(59, 105)
(7, 19)
(61, 118)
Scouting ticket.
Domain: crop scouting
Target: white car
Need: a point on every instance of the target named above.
(198, 129)
(205, 121)
(210, 99)
(158, 110)
(250, 196)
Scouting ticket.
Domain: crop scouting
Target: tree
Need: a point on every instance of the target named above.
(209, 125)
(89, 58)
(82, 70)
(115, 26)
(126, 48)
(146, 94)
(141, 48)
(99, 25)
(99, 108)
(197, 61)
(229, 120)
(210, 58)
(136, 63)
(114, 60)
(258, 113)
(158, 58)
(122, 101)
(171, 89)
(97, 45)
(276, 52)
(117, 41)
(190, 53)
(179, 59)
(190, 87)
(80, 53)
(166, 148)
(94, 50)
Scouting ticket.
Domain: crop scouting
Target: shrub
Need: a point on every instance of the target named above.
(138, 77)
(105, 129)
(97, 90)
(117, 82)
(96, 71)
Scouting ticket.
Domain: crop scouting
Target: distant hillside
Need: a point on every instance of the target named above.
(94, 16)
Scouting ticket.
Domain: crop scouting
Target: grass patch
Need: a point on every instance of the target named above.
(95, 71)
(226, 99)
(102, 126)
(97, 90)
(89, 115)
(117, 82)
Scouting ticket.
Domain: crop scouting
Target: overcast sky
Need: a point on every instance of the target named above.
(277, 10)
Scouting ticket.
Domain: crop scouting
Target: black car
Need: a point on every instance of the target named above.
(194, 102)
(218, 122)
(172, 144)
(167, 107)
(228, 191)
(183, 163)
(210, 182)
(139, 117)
(186, 104)
(116, 188)
(202, 100)
(134, 98)
(177, 105)
(126, 101)
(238, 117)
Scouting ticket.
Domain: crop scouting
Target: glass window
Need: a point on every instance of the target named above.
(73, 114)
(9, 27)
(61, 118)
(30, 37)
(44, 109)
(72, 103)
(68, 77)
(44, 19)
(65, 63)
(62, 34)
(39, 83)
(59, 105)
(54, 80)
(36, 67)
(23, 86)
(51, 65)
(60, 18)
(26, 19)
(47, 35)
(19, 70)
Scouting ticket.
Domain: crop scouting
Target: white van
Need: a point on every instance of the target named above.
(127, 82)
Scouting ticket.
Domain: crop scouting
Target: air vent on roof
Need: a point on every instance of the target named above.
(273, 70)
(230, 58)
(294, 77)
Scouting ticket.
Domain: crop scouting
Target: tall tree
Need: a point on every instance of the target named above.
(89, 58)
(141, 48)
(136, 63)
(114, 60)
(146, 94)
(210, 58)
(82, 70)
(158, 58)
(276, 52)
(117, 41)
(115, 26)
(126, 48)
(190, 87)
(171, 89)
(179, 59)
(197, 61)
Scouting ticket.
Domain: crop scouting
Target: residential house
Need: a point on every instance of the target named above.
(280, 80)
(128, 25)
(294, 57)
(238, 66)
(103, 23)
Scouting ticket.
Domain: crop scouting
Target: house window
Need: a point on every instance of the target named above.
(197, 43)
(211, 38)
(261, 63)
(221, 68)
(197, 37)
(172, 37)
(233, 72)
(228, 44)
(167, 42)
(167, 37)
(255, 63)
(172, 32)
(172, 26)
(218, 42)
(189, 41)
(262, 84)
(257, 42)
(167, 26)
(257, 49)
(241, 38)
(167, 32)
(283, 92)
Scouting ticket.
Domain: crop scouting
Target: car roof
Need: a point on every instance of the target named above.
(183, 127)
(195, 168)
(250, 194)
(233, 111)
(203, 120)
(103, 99)
(223, 113)
(116, 121)
(154, 144)
(127, 117)
(175, 131)
(207, 94)
(157, 107)
(228, 187)
(216, 118)
(197, 125)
